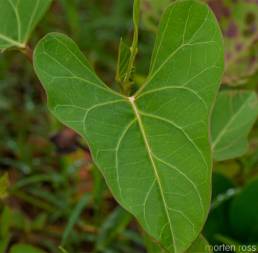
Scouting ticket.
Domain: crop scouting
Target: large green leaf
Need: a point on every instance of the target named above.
(18, 18)
(232, 119)
(152, 148)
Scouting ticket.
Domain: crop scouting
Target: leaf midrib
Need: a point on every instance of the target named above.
(11, 41)
(149, 151)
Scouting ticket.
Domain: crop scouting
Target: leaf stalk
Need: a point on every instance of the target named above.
(134, 46)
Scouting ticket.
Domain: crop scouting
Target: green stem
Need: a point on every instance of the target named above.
(28, 52)
(134, 46)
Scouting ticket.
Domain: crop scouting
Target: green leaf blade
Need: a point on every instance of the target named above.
(184, 76)
(74, 217)
(4, 184)
(112, 227)
(153, 148)
(232, 119)
(18, 19)
(20, 248)
(123, 60)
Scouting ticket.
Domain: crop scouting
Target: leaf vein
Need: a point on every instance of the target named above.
(181, 129)
(116, 154)
(176, 87)
(155, 170)
(186, 177)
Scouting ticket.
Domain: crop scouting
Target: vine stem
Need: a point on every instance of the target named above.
(134, 46)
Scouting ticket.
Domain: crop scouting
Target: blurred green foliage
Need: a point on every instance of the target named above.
(55, 194)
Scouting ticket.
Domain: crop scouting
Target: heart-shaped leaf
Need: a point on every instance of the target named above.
(152, 148)
(232, 119)
(18, 18)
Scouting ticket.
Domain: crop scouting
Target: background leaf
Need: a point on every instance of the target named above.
(151, 12)
(115, 223)
(240, 35)
(152, 148)
(6, 222)
(18, 19)
(75, 215)
(218, 221)
(232, 119)
(22, 248)
(200, 246)
(4, 184)
(243, 213)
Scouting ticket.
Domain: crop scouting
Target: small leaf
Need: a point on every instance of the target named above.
(74, 217)
(232, 119)
(152, 148)
(22, 248)
(200, 246)
(6, 220)
(113, 226)
(123, 60)
(18, 19)
(4, 184)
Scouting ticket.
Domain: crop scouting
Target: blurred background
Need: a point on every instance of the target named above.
(56, 196)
